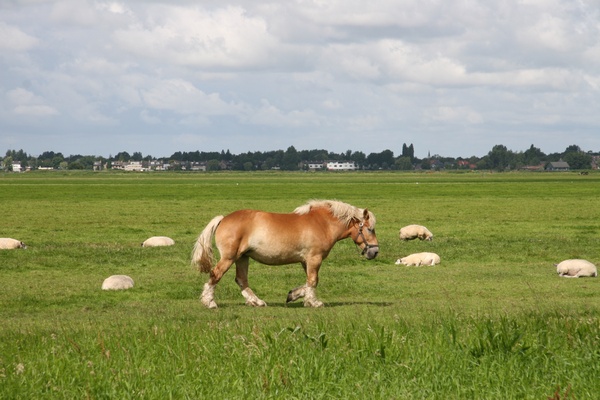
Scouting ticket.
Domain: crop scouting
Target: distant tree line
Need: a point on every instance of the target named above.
(499, 158)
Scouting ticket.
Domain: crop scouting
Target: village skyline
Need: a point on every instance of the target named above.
(498, 158)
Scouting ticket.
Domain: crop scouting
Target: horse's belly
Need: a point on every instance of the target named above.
(275, 258)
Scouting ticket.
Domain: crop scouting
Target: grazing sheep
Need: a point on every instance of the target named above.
(411, 232)
(156, 241)
(117, 282)
(576, 269)
(418, 259)
(8, 243)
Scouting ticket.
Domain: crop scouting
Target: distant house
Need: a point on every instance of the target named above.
(341, 166)
(198, 166)
(134, 166)
(314, 165)
(465, 164)
(557, 166)
(16, 167)
(532, 167)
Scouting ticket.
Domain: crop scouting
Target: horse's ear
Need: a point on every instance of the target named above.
(366, 215)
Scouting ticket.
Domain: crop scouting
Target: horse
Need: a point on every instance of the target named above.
(306, 235)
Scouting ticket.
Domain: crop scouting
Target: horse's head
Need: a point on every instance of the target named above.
(365, 237)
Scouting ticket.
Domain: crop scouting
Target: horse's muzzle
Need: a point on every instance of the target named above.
(370, 252)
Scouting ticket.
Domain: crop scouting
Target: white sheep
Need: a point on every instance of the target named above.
(117, 282)
(418, 259)
(8, 243)
(411, 232)
(156, 241)
(576, 269)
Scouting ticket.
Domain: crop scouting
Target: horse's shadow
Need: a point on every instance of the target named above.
(334, 304)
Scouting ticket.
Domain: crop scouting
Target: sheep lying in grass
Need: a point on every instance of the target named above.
(156, 241)
(418, 259)
(117, 282)
(411, 232)
(8, 243)
(576, 269)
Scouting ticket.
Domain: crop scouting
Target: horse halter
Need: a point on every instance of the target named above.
(361, 234)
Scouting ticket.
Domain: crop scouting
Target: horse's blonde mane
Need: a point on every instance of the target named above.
(342, 211)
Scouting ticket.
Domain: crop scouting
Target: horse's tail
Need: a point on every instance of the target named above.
(202, 255)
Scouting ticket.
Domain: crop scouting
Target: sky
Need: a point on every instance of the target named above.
(453, 78)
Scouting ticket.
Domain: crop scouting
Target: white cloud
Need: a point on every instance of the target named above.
(14, 39)
(148, 118)
(182, 97)
(270, 115)
(462, 115)
(26, 103)
(226, 38)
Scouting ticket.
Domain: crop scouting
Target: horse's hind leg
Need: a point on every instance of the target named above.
(241, 278)
(208, 294)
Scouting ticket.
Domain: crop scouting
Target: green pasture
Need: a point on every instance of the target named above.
(492, 321)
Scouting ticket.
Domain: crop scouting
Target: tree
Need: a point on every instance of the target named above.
(290, 159)
(408, 151)
(385, 158)
(19, 156)
(404, 163)
(359, 158)
(76, 165)
(57, 161)
(578, 160)
(213, 165)
(484, 163)
(269, 163)
(500, 157)
(533, 156)
(8, 162)
(122, 156)
(572, 149)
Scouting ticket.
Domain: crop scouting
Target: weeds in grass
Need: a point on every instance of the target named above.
(502, 337)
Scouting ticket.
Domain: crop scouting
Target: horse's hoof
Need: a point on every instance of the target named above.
(295, 294)
(290, 298)
(256, 303)
(211, 304)
(314, 304)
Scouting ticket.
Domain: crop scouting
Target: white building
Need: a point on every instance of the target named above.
(341, 166)
(315, 166)
(134, 166)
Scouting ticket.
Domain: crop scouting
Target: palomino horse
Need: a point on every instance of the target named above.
(305, 236)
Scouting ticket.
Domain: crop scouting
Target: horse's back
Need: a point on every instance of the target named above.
(253, 218)
(256, 222)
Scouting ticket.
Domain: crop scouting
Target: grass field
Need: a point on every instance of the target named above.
(492, 321)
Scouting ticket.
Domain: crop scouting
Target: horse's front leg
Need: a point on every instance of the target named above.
(241, 278)
(308, 291)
